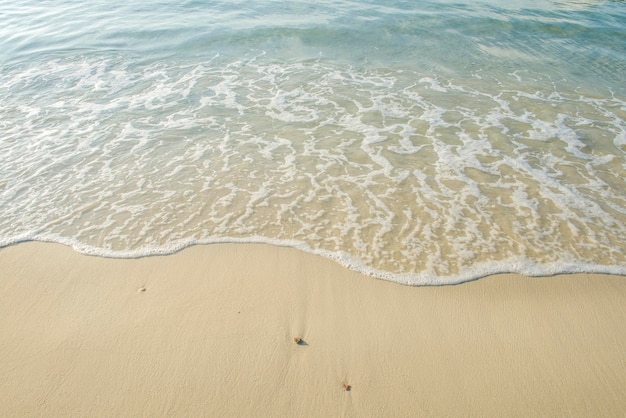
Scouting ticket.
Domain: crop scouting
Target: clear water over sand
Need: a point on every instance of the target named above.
(425, 143)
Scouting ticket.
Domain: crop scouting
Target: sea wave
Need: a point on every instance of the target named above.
(403, 175)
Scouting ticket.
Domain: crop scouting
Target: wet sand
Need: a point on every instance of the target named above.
(210, 331)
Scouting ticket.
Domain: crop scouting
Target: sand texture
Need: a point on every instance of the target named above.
(210, 331)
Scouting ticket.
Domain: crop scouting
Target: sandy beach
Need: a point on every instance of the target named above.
(210, 331)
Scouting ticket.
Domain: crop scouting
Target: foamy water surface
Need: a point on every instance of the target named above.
(424, 144)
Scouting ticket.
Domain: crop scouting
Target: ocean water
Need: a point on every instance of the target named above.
(423, 142)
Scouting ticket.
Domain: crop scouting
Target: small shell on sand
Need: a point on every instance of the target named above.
(347, 387)
(298, 340)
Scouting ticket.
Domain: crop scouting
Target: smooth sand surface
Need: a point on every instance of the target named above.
(209, 332)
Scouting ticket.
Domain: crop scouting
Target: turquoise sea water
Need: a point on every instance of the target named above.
(424, 142)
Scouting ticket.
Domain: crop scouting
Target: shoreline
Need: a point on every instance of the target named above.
(347, 261)
(209, 331)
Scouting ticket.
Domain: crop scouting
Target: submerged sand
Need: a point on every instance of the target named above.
(210, 331)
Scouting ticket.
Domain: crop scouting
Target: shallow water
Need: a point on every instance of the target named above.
(425, 144)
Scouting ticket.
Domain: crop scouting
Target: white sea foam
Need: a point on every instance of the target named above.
(435, 182)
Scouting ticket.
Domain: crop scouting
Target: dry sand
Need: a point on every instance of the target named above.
(209, 332)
